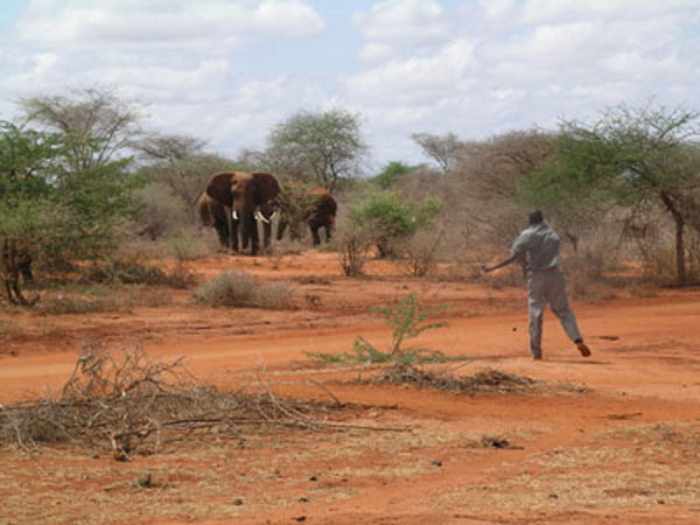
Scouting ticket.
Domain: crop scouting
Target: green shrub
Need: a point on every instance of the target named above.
(408, 319)
(391, 217)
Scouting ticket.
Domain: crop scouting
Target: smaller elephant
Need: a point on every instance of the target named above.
(318, 210)
(234, 199)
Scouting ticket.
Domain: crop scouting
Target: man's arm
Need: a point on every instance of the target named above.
(520, 246)
(509, 260)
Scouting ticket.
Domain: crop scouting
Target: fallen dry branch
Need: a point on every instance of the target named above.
(126, 403)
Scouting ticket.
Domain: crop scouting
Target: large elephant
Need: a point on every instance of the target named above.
(318, 211)
(234, 199)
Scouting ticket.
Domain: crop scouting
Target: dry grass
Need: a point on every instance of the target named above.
(240, 289)
(420, 252)
(353, 245)
(486, 381)
(219, 479)
(132, 271)
(190, 245)
(627, 468)
(67, 305)
(78, 299)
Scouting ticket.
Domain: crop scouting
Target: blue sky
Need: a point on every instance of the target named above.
(229, 70)
(9, 11)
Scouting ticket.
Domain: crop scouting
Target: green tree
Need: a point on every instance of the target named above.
(391, 173)
(25, 160)
(48, 209)
(324, 148)
(630, 157)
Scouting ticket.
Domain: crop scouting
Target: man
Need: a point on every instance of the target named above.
(538, 247)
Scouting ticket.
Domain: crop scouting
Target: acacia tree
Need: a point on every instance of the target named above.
(158, 147)
(187, 177)
(630, 157)
(96, 125)
(46, 213)
(443, 149)
(325, 147)
(65, 188)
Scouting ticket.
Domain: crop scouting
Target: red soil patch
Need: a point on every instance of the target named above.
(581, 458)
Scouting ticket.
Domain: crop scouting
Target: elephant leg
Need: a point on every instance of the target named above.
(234, 236)
(267, 235)
(222, 233)
(281, 227)
(254, 236)
(250, 233)
(314, 233)
(329, 232)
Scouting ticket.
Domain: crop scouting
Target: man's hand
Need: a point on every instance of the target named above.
(485, 268)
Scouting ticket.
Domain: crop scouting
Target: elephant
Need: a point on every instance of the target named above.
(213, 214)
(233, 199)
(318, 211)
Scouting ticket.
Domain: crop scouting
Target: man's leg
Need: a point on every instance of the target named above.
(535, 304)
(556, 296)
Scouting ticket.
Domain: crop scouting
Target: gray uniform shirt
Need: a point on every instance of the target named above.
(540, 244)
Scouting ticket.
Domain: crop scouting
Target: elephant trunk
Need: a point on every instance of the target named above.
(250, 231)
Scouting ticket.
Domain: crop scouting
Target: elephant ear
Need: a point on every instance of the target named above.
(219, 188)
(266, 187)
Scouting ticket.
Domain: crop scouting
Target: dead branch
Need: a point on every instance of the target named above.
(121, 401)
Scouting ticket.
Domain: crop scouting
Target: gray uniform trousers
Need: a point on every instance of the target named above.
(548, 286)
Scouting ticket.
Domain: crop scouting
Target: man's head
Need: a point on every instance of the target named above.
(535, 218)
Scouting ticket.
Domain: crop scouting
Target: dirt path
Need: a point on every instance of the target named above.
(627, 339)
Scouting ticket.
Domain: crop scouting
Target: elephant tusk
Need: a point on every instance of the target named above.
(234, 215)
(259, 216)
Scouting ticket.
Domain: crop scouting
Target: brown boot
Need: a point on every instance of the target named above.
(583, 348)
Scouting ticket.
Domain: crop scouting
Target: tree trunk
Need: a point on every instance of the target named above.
(680, 251)
(10, 270)
(681, 272)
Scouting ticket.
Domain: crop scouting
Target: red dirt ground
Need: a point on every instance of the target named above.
(627, 450)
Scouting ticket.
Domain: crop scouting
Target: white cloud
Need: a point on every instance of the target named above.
(508, 64)
(497, 8)
(537, 12)
(417, 21)
(79, 22)
(415, 75)
(374, 52)
(229, 70)
(181, 59)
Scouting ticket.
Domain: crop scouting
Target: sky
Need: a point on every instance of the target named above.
(228, 71)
